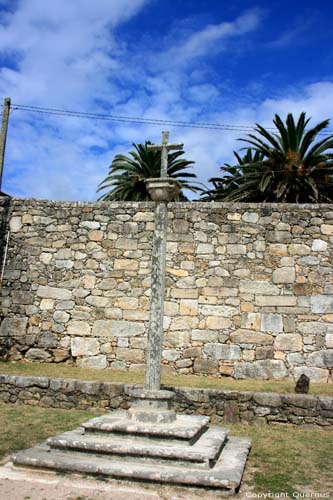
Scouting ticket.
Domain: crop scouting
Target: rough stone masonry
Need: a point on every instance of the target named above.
(249, 287)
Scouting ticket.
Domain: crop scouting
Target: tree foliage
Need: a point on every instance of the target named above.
(284, 166)
(127, 174)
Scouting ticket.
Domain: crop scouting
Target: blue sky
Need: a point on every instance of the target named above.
(236, 62)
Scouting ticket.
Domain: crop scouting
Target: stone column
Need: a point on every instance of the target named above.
(155, 331)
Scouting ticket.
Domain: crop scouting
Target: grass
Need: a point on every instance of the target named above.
(132, 377)
(287, 459)
(283, 459)
(24, 426)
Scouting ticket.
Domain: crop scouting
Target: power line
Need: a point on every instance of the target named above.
(139, 120)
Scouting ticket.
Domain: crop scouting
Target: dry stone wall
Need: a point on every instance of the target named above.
(249, 287)
(220, 405)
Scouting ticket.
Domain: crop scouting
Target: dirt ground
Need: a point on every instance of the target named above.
(22, 484)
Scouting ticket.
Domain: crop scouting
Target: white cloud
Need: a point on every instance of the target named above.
(68, 54)
(211, 38)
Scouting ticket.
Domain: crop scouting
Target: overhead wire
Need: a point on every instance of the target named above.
(133, 119)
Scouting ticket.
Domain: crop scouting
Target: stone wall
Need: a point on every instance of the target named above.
(221, 406)
(4, 214)
(249, 287)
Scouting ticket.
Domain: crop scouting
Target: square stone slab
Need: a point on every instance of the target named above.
(187, 427)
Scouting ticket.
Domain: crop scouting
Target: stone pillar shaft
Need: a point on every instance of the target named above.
(155, 330)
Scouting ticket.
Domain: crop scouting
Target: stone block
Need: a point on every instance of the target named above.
(126, 264)
(88, 282)
(321, 304)
(299, 249)
(278, 236)
(327, 229)
(265, 369)
(171, 308)
(314, 374)
(222, 351)
(127, 303)
(189, 307)
(312, 327)
(310, 260)
(251, 320)
(267, 399)
(131, 355)
(48, 339)
(89, 224)
(217, 322)
(278, 249)
(242, 336)
(180, 273)
(126, 244)
(49, 292)
(288, 342)
(321, 359)
(13, 327)
(258, 287)
(276, 300)
(264, 353)
(98, 301)
(78, 328)
(180, 226)
(107, 284)
(225, 311)
(170, 354)
(95, 235)
(124, 328)
(295, 358)
(329, 340)
(251, 217)
(35, 354)
(61, 317)
(63, 254)
(236, 249)
(176, 339)
(60, 355)
(98, 362)
(319, 245)
(185, 293)
(204, 336)
(205, 366)
(284, 275)
(84, 346)
(271, 323)
(302, 289)
(15, 224)
(192, 352)
(184, 323)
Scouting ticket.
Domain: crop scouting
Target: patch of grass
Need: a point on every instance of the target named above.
(282, 459)
(25, 426)
(137, 377)
(287, 459)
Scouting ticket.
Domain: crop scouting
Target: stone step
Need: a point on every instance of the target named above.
(203, 453)
(185, 427)
(225, 475)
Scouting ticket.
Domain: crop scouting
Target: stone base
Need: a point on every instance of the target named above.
(151, 406)
(183, 452)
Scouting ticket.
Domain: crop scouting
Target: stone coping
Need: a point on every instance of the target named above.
(150, 204)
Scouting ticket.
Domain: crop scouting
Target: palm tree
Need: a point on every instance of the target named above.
(232, 176)
(292, 168)
(127, 174)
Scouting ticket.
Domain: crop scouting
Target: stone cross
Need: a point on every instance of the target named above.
(164, 148)
(164, 188)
